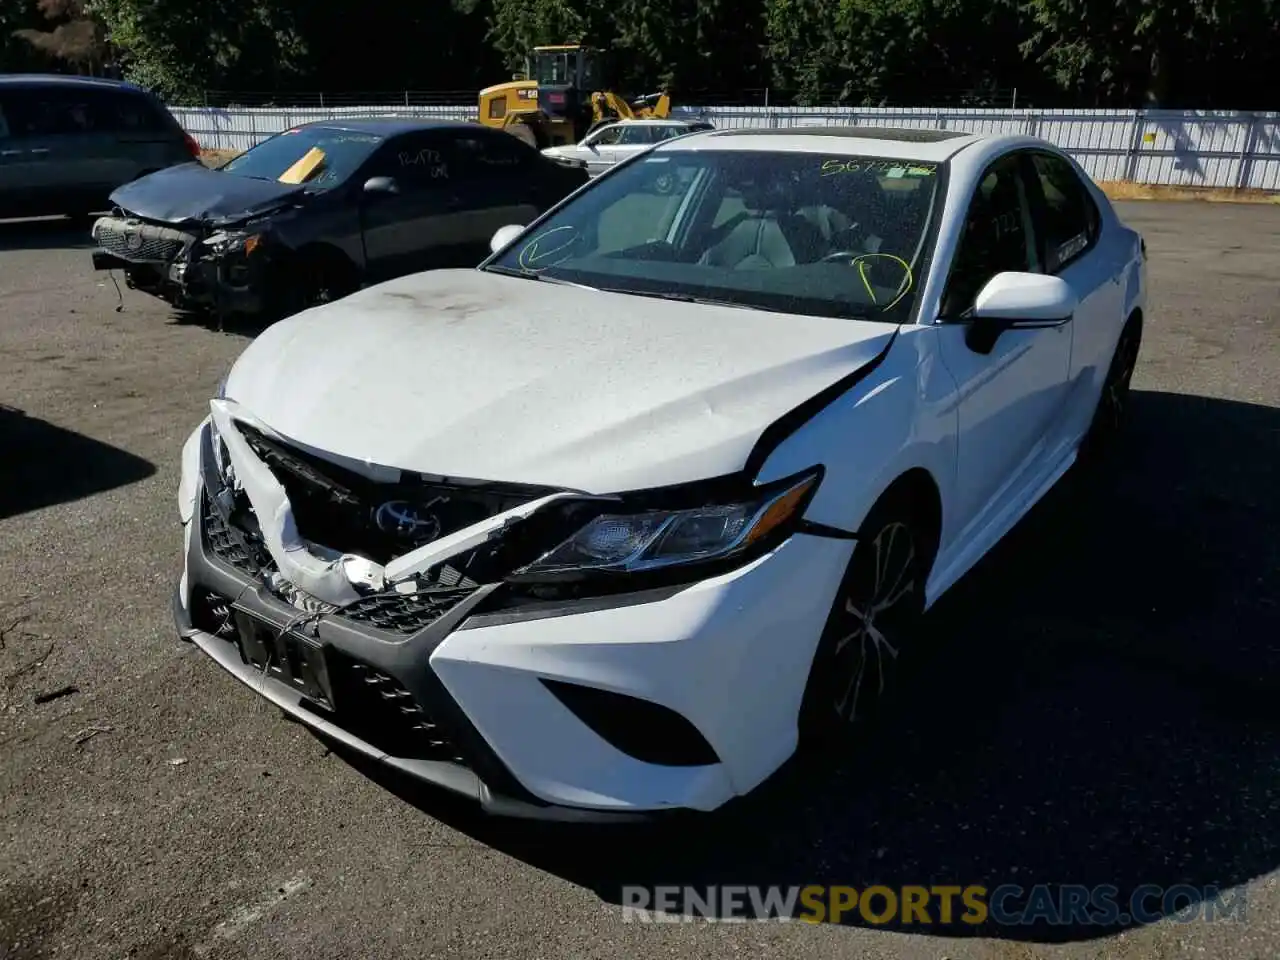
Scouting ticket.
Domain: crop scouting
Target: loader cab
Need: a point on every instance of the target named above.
(566, 76)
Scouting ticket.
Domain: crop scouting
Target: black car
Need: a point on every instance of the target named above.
(313, 213)
(67, 142)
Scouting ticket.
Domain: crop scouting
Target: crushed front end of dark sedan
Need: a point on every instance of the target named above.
(311, 214)
(183, 236)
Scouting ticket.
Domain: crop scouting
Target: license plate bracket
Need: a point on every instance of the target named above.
(289, 657)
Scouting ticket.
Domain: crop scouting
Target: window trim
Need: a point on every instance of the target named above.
(593, 139)
(1039, 207)
(1020, 157)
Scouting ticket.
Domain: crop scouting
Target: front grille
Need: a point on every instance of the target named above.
(140, 242)
(404, 613)
(370, 704)
(379, 710)
(340, 509)
(244, 554)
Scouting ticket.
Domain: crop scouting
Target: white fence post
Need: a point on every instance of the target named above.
(1135, 144)
(1244, 164)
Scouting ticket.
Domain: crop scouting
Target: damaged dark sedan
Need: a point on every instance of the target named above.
(313, 213)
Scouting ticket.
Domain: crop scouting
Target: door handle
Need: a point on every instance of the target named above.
(39, 150)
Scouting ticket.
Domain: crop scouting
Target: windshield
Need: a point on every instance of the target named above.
(316, 156)
(554, 69)
(792, 232)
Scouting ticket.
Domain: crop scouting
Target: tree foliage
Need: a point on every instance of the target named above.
(70, 35)
(1194, 53)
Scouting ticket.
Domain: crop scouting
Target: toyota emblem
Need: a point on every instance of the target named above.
(133, 238)
(404, 519)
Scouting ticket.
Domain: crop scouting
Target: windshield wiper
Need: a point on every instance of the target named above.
(530, 275)
(689, 298)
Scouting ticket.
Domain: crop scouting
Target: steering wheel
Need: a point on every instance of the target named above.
(850, 255)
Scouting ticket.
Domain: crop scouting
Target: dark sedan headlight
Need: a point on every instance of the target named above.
(655, 540)
(233, 241)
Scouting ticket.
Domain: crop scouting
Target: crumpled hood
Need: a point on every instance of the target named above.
(192, 191)
(473, 375)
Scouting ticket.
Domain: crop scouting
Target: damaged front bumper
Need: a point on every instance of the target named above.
(187, 268)
(610, 709)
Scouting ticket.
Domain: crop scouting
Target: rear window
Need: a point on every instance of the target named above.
(59, 111)
(135, 113)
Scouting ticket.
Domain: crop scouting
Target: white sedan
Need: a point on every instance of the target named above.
(615, 142)
(617, 522)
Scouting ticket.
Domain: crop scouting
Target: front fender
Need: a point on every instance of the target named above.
(900, 418)
(189, 479)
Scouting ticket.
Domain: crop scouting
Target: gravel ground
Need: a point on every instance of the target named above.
(1101, 708)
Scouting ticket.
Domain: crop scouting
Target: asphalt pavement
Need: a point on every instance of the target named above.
(1101, 706)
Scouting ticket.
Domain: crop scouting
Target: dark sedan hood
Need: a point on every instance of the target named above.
(191, 191)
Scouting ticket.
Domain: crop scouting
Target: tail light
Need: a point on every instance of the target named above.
(192, 145)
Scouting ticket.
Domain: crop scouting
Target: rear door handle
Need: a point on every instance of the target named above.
(38, 150)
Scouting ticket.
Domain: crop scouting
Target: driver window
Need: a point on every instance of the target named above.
(997, 236)
(634, 135)
(606, 137)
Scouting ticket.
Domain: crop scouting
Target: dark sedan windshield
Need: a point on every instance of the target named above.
(795, 232)
(316, 156)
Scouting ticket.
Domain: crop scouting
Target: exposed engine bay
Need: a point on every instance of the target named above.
(193, 266)
(395, 552)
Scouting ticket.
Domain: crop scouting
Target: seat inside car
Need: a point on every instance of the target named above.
(766, 234)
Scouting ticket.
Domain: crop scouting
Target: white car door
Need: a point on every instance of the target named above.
(1069, 225)
(634, 138)
(1011, 395)
(598, 148)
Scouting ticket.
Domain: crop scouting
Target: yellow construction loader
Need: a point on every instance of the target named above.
(559, 99)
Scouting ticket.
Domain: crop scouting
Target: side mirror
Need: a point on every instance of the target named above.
(381, 185)
(504, 235)
(1018, 300)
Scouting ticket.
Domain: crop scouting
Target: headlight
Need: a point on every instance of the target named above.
(233, 241)
(626, 543)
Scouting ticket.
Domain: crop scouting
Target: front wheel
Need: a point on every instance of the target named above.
(874, 619)
(311, 280)
(1113, 403)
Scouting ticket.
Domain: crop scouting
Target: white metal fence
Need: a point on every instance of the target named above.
(1183, 148)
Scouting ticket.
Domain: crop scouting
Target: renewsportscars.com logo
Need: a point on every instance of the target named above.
(1006, 905)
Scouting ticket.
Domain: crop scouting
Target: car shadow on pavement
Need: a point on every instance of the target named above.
(42, 465)
(56, 233)
(1100, 707)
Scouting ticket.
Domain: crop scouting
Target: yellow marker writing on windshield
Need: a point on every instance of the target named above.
(907, 278)
(537, 254)
(304, 168)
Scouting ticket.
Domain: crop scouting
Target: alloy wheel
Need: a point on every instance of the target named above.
(879, 603)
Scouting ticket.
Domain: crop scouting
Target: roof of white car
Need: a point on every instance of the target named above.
(908, 143)
(656, 121)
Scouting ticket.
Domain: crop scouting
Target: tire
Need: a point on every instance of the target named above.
(1113, 402)
(856, 662)
(313, 279)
